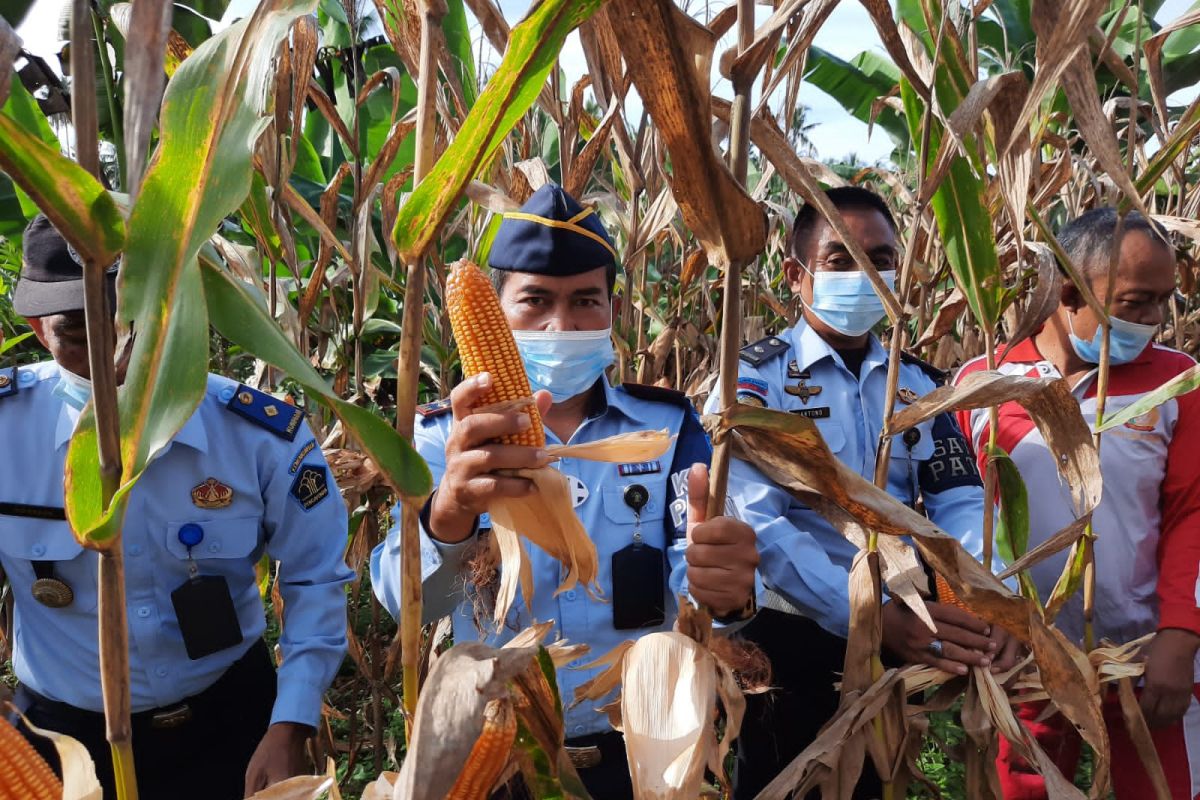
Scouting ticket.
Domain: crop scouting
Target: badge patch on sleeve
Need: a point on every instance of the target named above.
(952, 464)
(311, 485)
(752, 385)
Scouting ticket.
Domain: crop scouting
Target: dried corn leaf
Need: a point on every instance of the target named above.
(1152, 49)
(669, 56)
(1043, 300)
(982, 746)
(789, 450)
(547, 518)
(950, 310)
(1139, 732)
(820, 758)
(668, 709)
(1050, 405)
(624, 448)
(995, 702)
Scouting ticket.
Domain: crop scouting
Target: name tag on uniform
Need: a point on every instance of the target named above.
(812, 413)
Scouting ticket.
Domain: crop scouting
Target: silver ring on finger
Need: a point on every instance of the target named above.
(935, 646)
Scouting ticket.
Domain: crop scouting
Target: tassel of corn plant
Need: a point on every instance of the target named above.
(24, 775)
(490, 753)
(485, 344)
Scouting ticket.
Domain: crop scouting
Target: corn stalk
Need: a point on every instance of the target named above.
(113, 627)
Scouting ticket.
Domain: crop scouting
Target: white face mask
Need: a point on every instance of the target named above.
(565, 363)
(75, 390)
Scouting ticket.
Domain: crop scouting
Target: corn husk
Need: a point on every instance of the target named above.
(624, 448)
(78, 770)
(469, 685)
(300, 787)
(671, 684)
(547, 518)
(668, 710)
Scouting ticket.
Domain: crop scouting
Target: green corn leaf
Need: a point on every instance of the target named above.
(1069, 581)
(213, 112)
(13, 341)
(73, 200)
(962, 216)
(532, 52)
(1012, 532)
(1184, 382)
(23, 108)
(243, 318)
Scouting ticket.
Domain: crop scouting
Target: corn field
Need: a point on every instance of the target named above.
(286, 195)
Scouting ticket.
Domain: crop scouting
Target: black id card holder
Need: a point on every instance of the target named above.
(638, 587)
(638, 574)
(208, 621)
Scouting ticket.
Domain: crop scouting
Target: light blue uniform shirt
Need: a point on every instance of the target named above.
(55, 651)
(804, 560)
(599, 489)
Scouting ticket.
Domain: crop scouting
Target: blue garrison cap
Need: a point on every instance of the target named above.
(552, 235)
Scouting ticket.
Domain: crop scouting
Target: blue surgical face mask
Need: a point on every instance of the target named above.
(1126, 341)
(74, 390)
(846, 301)
(565, 363)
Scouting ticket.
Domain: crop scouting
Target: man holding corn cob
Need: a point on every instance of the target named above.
(554, 267)
(211, 717)
(831, 369)
(1147, 526)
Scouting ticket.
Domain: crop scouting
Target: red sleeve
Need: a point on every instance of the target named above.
(1179, 545)
(963, 418)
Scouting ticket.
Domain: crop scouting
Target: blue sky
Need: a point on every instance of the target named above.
(847, 32)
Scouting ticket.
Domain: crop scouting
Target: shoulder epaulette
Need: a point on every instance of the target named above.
(435, 409)
(658, 394)
(938, 376)
(763, 350)
(280, 418)
(8, 382)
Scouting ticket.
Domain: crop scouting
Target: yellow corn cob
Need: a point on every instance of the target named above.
(946, 595)
(23, 773)
(490, 754)
(485, 344)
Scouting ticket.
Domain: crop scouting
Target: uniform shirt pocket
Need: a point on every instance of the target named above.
(32, 539)
(24, 540)
(833, 432)
(222, 539)
(617, 511)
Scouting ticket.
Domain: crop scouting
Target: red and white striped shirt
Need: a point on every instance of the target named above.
(1148, 521)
